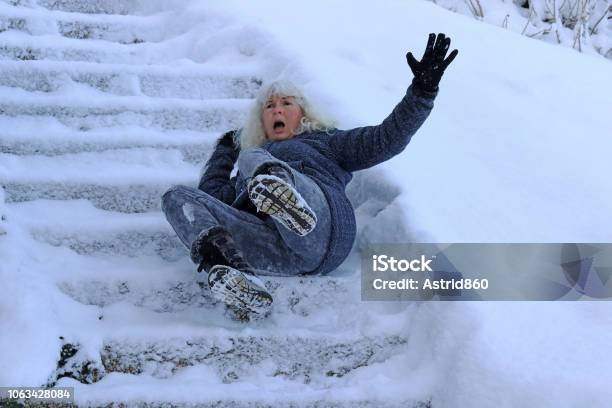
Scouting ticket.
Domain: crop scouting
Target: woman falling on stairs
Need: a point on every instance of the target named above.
(286, 213)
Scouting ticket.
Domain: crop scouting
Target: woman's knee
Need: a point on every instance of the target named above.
(252, 158)
(175, 195)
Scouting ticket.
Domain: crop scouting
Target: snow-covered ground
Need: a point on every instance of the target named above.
(516, 150)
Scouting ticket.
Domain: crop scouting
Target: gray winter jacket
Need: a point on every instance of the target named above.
(329, 158)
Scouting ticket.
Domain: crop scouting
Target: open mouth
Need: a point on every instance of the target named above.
(279, 125)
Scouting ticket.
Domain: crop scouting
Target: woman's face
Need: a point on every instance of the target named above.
(281, 117)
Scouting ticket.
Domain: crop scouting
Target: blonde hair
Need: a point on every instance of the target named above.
(253, 133)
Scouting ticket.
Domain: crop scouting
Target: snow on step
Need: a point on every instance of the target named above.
(15, 45)
(78, 225)
(87, 111)
(23, 137)
(132, 240)
(130, 180)
(115, 168)
(299, 297)
(131, 199)
(293, 357)
(141, 346)
(171, 287)
(91, 6)
(156, 81)
(15, 51)
(122, 29)
(189, 392)
(146, 282)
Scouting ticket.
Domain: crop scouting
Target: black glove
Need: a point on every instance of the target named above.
(428, 72)
(227, 140)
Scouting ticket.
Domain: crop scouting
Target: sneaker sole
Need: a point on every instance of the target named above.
(281, 201)
(231, 287)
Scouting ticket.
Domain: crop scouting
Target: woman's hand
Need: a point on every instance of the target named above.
(227, 139)
(428, 71)
(227, 143)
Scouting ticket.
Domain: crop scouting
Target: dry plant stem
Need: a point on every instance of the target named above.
(606, 11)
(528, 19)
(577, 35)
(475, 7)
(505, 22)
(551, 9)
(543, 32)
(574, 10)
(584, 8)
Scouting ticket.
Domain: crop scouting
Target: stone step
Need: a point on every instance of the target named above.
(78, 225)
(85, 112)
(122, 7)
(133, 180)
(127, 199)
(161, 345)
(298, 297)
(197, 82)
(23, 137)
(136, 198)
(15, 45)
(196, 390)
(312, 361)
(121, 29)
(152, 287)
(173, 287)
(294, 357)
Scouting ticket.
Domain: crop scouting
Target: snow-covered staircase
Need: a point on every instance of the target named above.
(97, 120)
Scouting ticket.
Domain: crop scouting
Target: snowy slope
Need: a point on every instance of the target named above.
(513, 151)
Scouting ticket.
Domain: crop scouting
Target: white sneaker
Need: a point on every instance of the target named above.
(239, 290)
(279, 199)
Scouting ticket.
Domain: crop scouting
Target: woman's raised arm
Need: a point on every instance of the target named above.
(361, 148)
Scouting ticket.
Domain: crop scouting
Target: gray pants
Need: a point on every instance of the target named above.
(269, 247)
